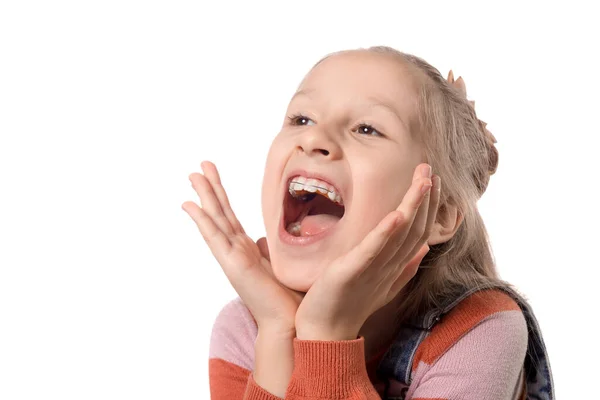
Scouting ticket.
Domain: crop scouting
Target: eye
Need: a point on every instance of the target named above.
(366, 129)
(300, 120)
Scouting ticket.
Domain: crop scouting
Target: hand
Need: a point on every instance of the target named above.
(245, 263)
(373, 273)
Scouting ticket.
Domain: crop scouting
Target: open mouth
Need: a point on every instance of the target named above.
(311, 207)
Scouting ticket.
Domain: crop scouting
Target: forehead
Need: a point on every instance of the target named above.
(363, 74)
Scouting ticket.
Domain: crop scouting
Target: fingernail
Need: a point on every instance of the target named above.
(426, 172)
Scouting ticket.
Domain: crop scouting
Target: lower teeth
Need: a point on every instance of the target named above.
(294, 229)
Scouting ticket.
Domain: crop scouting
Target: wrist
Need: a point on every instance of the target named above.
(277, 332)
(273, 359)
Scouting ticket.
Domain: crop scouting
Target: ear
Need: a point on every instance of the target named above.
(446, 224)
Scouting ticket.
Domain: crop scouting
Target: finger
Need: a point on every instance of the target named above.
(402, 259)
(217, 241)
(431, 214)
(413, 208)
(412, 203)
(417, 228)
(210, 203)
(409, 271)
(263, 247)
(212, 174)
(434, 204)
(363, 255)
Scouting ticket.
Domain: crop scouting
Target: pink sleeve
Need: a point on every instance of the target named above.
(232, 355)
(233, 335)
(486, 363)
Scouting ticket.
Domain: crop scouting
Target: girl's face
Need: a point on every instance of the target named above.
(348, 126)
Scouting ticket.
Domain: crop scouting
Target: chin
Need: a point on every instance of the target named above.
(298, 275)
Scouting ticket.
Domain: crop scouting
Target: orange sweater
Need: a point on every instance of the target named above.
(475, 352)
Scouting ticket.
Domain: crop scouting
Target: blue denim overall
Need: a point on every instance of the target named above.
(397, 362)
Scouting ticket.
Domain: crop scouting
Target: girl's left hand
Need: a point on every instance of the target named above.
(373, 273)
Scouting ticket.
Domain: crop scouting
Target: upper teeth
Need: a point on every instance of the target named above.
(312, 185)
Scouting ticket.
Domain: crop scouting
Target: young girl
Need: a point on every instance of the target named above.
(374, 280)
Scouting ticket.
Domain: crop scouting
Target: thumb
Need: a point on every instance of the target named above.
(263, 247)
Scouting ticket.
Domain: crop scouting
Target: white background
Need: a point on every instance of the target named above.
(106, 287)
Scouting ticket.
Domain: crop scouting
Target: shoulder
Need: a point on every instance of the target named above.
(491, 316)
(233, 335)
(476, 351)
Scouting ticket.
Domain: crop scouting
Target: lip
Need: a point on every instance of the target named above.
(291, 240)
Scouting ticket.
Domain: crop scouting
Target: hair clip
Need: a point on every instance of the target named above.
(459, 85)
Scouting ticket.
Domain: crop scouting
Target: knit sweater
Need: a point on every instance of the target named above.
(476, 352)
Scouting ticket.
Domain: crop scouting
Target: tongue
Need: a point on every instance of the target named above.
(314, 224)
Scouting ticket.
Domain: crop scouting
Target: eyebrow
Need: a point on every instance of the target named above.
(376, 102)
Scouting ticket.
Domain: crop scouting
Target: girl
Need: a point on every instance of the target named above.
(373, 281)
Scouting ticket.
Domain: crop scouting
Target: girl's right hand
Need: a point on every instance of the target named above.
(245, 263)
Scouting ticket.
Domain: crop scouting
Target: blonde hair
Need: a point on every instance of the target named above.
(457, 148)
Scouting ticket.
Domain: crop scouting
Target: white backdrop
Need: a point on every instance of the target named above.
(107, 290)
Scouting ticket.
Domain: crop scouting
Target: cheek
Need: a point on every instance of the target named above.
(379, 188)
(271, 180)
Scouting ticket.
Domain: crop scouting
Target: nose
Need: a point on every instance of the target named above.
(318, 142)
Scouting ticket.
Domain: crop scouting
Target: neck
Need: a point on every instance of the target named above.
(380, 329)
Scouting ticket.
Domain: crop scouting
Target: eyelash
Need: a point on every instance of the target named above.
(294, 121)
